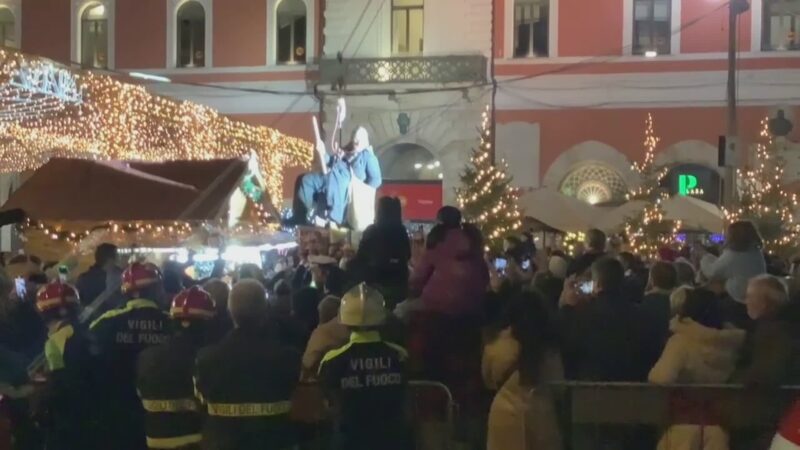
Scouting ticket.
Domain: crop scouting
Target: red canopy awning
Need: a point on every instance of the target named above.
(81, 190)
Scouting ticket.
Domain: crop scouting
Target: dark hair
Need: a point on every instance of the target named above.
(389, 211)
(104, 253)
(742, 236)
(685, 272)
(596, 239)
(335, 281)
(475, 239)
(304, 307)
(702, 306)
(628, 260)
(663, 275)
(449, 216)
(435, 236)
(529, 320)
(608, 273)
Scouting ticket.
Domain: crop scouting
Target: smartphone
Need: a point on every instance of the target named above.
(500, 264)
(21, 287)
(526, 264)
(586, 287)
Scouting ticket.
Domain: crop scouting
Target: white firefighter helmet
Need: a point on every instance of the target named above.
(362, 306)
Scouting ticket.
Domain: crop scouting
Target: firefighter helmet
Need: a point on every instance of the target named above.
(139, 275)
(362, 306)
(57, 298)
(193, 304)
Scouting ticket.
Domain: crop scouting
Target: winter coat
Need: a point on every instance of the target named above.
(696, 354)
(451, 277)
(326, 337)
(521, 417)
(382, 260)
(603, 339)
(736, 269)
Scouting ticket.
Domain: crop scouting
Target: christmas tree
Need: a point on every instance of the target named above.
(649, 230)
(486, 197)
(763, 200)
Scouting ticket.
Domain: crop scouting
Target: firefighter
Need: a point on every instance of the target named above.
(164, 374)
(246, 380)
(121, 334)
(66, 400)
(365, 379)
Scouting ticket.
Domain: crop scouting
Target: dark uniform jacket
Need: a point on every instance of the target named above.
(173, 416)
(366, 379)
(246, 382)
(68, 394)
(121, 334)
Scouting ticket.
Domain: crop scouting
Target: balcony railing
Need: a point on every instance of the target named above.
(429, 69)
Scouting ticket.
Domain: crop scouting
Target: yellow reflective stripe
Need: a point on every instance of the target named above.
(333, 354)
(130, 306)
(174, 442)
(177, 405)
(54, 347)
(197, 393)
(402, 351)
(249, 409)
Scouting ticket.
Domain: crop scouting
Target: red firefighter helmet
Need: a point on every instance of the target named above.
(139, 275)
(56, 297)
(193, 304)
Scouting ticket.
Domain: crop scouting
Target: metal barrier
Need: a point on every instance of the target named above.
(637, 415)
(424, 425)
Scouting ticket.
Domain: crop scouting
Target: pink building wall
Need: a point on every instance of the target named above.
(46, 29)
(711, 33)
(589, 28)
(141, 34)
(240, 33)
(623, 129)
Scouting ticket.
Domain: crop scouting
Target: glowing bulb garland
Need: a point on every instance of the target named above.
(118, 121)
(486, 196)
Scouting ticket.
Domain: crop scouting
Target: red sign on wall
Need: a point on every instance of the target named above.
(421, 200)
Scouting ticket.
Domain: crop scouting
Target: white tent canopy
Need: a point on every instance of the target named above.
(559, 211)
(694, 214)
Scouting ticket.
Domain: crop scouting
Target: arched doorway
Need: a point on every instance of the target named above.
(409, 162)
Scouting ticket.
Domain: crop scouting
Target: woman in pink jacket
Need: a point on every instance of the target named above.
(445, 335)
(452, 276)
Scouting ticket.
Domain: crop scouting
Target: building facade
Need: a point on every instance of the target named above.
(575, 80)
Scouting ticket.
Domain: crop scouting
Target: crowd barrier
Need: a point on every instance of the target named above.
(601, 415)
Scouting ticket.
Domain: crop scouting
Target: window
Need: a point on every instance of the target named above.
(291, 27)
(407, 27)
(531, 27)
(7, 29)
(191, 35)
(94, 37)
(651, 27)
(781, 25)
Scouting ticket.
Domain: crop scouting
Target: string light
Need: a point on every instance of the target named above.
(101, 118)
(648, 231)
(763, 200)
(486, 196)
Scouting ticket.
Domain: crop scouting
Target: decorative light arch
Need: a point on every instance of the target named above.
(594, 183)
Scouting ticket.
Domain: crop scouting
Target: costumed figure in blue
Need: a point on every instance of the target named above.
(321, 198)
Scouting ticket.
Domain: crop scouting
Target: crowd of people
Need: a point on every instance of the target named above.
(319, 352)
